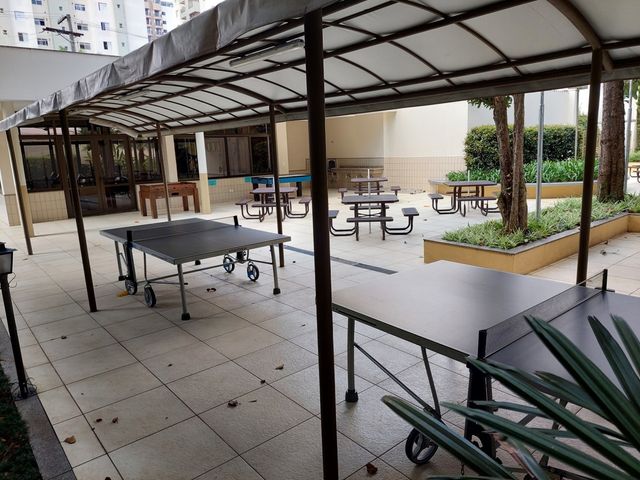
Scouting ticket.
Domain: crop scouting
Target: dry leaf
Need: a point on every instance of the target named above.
(107, 478)
(70, 440)
(122, 293)
(170, 365)
(233, 403)
(371, 469)
(63, 337)
(253, 401)
(280, 367)
(114, 420)
(98, 420)
(262, 382)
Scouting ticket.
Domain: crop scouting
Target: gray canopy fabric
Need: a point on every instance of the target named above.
(379, 54)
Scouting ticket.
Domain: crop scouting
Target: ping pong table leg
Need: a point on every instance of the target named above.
(183, 295)
(351, 395)
(479, 390)
(274, 265)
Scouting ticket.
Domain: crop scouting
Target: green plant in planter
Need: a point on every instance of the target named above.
(616, 442)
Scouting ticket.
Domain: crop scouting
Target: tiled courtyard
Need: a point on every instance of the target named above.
(146, 395)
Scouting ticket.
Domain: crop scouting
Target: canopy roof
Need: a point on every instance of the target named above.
(379, 54)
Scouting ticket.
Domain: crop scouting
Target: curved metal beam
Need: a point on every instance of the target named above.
(575, 16)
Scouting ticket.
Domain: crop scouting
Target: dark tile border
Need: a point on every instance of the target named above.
(50, 456)
(342, 260)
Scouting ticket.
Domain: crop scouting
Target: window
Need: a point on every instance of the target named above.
(19, 15)
(145, 162)
(104, 26)
(260, 161)
(158, 22)
(85, 46)
(164, 14)
(216, 156)
(120, 25)
(23, 37)
(102, 6)
(186, 158)
(148, 21)
(39, 21)
(80, 7)
(40, 165)
(156, 13)
(1, 10)
(149, 31)
(83, 26)
(4, 32)
(106, 45)
(60, 8)
(146, 11)
(122, 44)
(43, 42)
(158, 31)
(35, 2)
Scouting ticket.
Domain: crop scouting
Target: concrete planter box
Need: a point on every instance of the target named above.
(549, 190)
(527, 258)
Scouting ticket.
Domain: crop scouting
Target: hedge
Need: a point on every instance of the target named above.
(481, 145)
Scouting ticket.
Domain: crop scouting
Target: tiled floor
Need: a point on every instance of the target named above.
(145, 394)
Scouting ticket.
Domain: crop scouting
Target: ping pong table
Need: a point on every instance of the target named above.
(190, 240)
(462, 311)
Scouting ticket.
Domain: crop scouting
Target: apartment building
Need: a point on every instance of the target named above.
(160, 17)
(187, 9)
(110, 27)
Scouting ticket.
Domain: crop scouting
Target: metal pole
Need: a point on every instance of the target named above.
(13, 335)
(589, 163)
(163, 174)
(16, 181)
(273, 153)
(575, 146)
(77, 210)
(322, 259)
(540, 151)
(627, 146)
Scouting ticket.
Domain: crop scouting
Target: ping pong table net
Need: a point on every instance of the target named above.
(509, 331)
(178, 229)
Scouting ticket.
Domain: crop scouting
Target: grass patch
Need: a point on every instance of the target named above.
(563, 216)
(16, 458)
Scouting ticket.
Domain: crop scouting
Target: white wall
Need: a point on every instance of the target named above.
(356, 136)
(559, 109)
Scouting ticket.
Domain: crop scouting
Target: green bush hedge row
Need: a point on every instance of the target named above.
(481, 145)
(552, 171)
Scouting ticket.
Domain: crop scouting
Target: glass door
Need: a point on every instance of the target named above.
(114, 157)
(87, 178)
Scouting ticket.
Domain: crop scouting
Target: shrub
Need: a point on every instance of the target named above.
(481, 145)
(635, 156)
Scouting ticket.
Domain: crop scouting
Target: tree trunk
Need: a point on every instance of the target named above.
(612, 175)
(506, 159)
(518, 217)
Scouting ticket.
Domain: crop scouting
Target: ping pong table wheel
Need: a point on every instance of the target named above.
(131, 286)
(252, 272)
(228, 264)
(419, 448)
(149, 296)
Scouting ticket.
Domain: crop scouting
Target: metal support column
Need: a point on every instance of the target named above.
(627, 137)
(16, 181)
(589, 163)
(539, 160)
(273, 153)
(163, 172)
(575, 142)
(13, 336)
(77, 210)
(322, 259)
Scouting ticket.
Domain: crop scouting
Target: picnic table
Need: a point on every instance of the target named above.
(459, 198)
(362, 184)
(634, 170)
(369, 209)
(266, 201)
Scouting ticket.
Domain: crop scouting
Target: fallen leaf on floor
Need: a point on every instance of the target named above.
(98, 420)
(303, 325)
(262, 382)
(70, 440)
(211, 289)
(603, 252)
(280, 367)
(253, 401)
(122, 293)
(107, 478)
(170, 365)
(371, 469)
(114, 420)
(293, 261)
(233, 403)
(63, 337)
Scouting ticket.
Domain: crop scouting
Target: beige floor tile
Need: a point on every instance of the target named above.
(259, 416)
(384, 472)
(108, 316)
(184, 361)
(95, 362)
(137, 327)
(309, 341)
(274, 460)
(138, 417)
(37, 303)
(266, 363)
(86, 446)
(185, 450)
(43, 377)
(243, 341)
(215, 325)
(59, 405)
(97, 469)
(113, 386)
(67, 327)
(33, 356)
(236, 469)
(215, 386)
(52, 314)
(26, 337)
(160, 342)
(198, 309)
(233, 301)
(291, 324)
(261, 311)
(77, 343)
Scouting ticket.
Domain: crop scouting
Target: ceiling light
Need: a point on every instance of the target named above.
(267, 53)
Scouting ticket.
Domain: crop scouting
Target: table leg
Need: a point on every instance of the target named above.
(183, 295)
(154, 205)
(120, 276)
(299, 187)
(196, 199)
(384, 214)
(479, 390)
(143, 204)
(276, 287)
(352, 394)
(185, 201)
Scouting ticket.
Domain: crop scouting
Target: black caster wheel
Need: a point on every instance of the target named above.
(228, 264)
(419, 448)
(131, 286)
(149, 296)
(252, 272)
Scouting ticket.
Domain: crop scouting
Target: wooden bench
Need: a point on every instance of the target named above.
(338, 232)
(358, 220)
(303, 201)
(408, 213)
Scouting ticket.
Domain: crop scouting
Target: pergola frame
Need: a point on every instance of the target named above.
(176, 100)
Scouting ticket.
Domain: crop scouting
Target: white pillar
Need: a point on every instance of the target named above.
(21, 182)
(203, 180)
(169, 156)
